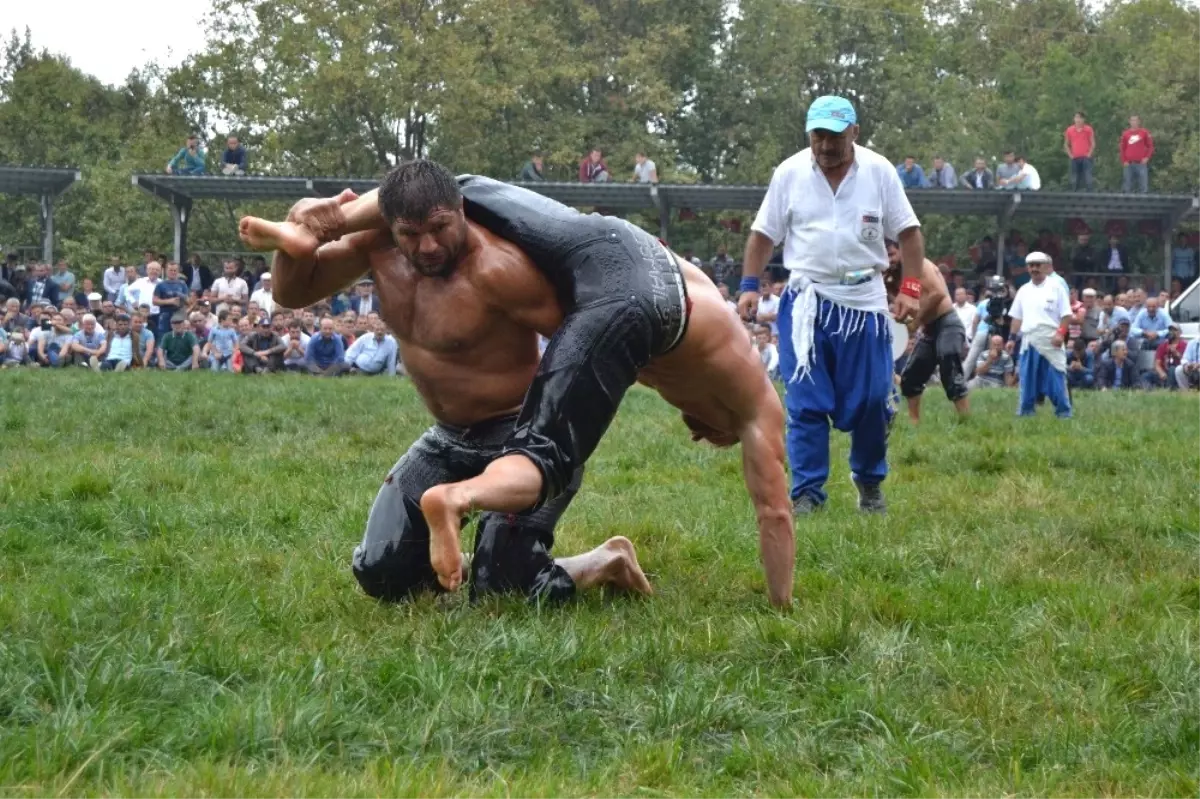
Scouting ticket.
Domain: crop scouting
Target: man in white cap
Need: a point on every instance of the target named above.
(263, 296)
(1041, 312)
(832, 205)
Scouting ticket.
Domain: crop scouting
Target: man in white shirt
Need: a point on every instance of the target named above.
(832, 205)
(644, 171)
(374, 353)
(230, 288)
(1041, 312)
(263, 296)
(768, 306)
(964, 308)
(114, 278)
(141, 291)
(1028, 178)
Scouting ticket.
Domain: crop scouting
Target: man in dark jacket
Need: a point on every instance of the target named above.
(1118, 372)
(262, 350)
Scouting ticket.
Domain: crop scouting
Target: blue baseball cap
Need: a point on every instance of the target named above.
(830, 113)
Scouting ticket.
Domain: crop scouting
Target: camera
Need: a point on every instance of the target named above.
(46, 324)
(998, 305)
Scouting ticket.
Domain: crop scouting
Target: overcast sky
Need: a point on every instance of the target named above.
(108, 39)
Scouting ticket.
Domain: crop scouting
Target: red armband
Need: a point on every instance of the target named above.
(911, 286)
(1062, 331)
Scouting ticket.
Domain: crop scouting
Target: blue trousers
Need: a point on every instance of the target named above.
(1039, 378)
(849, 384)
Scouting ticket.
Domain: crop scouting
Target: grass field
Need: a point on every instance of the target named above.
(177, 613)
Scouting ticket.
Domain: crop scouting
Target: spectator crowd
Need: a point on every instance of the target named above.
(174, 319)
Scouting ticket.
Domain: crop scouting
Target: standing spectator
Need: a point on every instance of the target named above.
(644, 170)
(189, 160)
(197, 321)
(1187, 374)
(170, 298)
(1079, 142)
(258, 270)
(724, 290)
(532, 171)
(768, 306)
(1083, 258)
(53, 341)
(89, 344)
(142, 293)
(179, 349)
(230, 288)
(326, 353)
(295, 347)
(942, 176)
(365, 301)
(1007, 170)
(1184, 263)
(233, 159)
(1167, 359)
(114, 278)
(1116, 258)
(911, 174)
(964, 308)
(592, 169)
(197, 276)
(1081, 365)
(722, 269)
(264, 298)
(64, 278)
(373, 353)
(979, 178)
(1119, 371)
(222, 343)
(17, 351)
(144, 343)
(1089, 317)
(767, 351)
(126, 299)
(41, 290)
(1137, 148)
(262, 351)
(120, 346)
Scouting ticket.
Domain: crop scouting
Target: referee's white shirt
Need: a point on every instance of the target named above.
(827, 235)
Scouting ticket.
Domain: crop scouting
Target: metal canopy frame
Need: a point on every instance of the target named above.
(179, 191)
(45, 183)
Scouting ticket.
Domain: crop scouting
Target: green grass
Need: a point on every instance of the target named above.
(177, 613)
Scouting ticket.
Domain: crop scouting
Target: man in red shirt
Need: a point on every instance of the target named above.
(1079, 141)
(1166, 358)
(1136, 149)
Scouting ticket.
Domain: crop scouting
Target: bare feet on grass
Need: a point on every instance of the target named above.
(623, 571)
(444, 509)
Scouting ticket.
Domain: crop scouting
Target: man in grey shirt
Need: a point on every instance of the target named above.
(1008, 170)
(645, 171)
(995, 369)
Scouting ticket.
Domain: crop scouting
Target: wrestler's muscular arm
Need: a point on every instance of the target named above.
(934, 296)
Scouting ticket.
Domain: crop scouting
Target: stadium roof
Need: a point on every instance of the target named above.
(37, 180)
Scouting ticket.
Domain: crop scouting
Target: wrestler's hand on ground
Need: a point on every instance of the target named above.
(748, 304)
(323, 217)
(907, 308)
(263, 236)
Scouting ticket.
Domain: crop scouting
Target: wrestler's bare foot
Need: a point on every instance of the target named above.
(264, 236)
(444, 510)
(626, 573)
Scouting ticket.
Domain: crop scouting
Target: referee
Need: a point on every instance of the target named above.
(832, 205)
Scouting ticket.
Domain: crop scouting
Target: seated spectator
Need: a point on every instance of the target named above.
(144, 343)
(1024, 178)
(1150, 324)
(263, 297)
(911, 174)
(1187, 374)
(1006, 171)
(768, 306)
(979, 178)
(53, 337)
(346, 327)
(532, 171)
(89, 344)
(374, 352)
(1119, 371)
(295, 347)
(262, 351)
(308, 321)
(233, 159)
(724, 290)
(13, 318)
(83, 294)
(222, 343)
(179, 349)
(121, 346)
(1081, 365)
(16, 352)
(196, 321)
(942, 176)
(1167, 359)
(767, 352)
(995, 369)
(326, 353)
(644, 170)
(365, 300)
(95, 304)
(592, 169)
(189, 160)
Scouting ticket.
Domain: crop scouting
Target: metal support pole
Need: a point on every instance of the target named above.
(664, 212)
(180, 211)
(47, 209)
